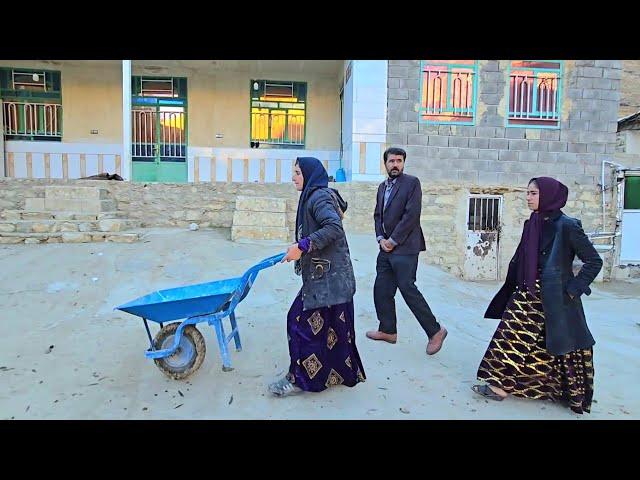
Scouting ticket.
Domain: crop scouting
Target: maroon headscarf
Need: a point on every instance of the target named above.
(553, 196)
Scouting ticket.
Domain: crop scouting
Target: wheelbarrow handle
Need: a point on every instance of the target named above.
(269, 262)
(249, 277)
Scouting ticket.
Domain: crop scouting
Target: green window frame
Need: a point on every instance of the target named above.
(31, 104)
(278, 113)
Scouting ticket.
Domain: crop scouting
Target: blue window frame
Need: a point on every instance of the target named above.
(448, 91)
(535, 93)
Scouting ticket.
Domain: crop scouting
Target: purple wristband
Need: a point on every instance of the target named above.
(304, 244)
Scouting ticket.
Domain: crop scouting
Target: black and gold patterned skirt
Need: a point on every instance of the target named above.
(518, 362)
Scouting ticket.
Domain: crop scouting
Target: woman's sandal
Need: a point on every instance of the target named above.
(486, 392)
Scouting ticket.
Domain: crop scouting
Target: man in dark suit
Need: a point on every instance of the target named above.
(398, 231)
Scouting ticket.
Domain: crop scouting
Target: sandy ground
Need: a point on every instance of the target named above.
(62, 295)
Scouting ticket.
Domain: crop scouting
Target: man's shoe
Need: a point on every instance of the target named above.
(378, 335)
(435, 342)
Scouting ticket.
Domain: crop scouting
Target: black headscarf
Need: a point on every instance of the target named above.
(315, 176)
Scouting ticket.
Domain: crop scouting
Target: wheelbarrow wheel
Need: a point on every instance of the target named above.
(188, 357)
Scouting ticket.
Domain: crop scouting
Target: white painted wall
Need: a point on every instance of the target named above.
(287, 157)
(369, 117)
(1, 141)
(126, 119)
(55, 151)
(347, 122)
(632, 141)
(630, 240)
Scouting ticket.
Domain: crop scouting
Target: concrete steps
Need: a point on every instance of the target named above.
(55, 226)
(65, 216)
(70, 237)
(68, 214)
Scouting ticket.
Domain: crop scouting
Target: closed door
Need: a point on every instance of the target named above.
(483, 237)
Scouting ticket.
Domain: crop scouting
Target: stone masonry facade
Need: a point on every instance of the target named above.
(490, 153)
(452, 162)
(214, 205)
(490, 158)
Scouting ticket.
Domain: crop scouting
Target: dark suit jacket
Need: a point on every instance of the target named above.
(401, 218)
(566, 327)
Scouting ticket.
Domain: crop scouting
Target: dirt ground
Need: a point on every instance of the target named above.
(66, 354)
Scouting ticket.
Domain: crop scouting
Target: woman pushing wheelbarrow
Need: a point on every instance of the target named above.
(320, 322)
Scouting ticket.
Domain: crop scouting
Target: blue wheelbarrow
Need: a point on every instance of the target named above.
(179, 348)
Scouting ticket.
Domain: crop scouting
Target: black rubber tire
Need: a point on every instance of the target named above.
(191, 334)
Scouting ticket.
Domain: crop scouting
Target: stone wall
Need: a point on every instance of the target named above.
(489, 153)
(630, 88)
(444, 209)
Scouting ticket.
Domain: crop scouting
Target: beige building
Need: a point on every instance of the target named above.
(178, 121)
(191, 137)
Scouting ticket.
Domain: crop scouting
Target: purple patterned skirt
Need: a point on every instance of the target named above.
(322, 347)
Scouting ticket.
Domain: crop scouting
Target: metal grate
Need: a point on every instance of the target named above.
(158, 134)
(534, 93)
(278, 127)
(448, 91)
(32, 119)
(484, 214)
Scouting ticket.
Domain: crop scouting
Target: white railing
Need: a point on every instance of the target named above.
(32, 119)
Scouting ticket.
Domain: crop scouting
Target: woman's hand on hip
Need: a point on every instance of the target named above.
(293, 253)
